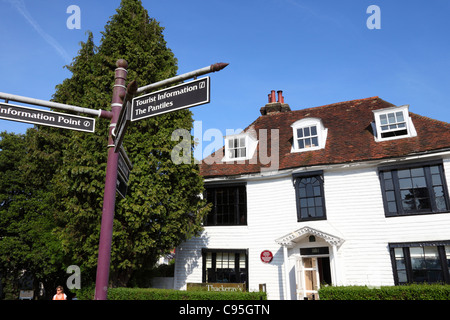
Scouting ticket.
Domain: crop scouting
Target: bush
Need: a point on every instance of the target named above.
(406, 292)
(168, 294)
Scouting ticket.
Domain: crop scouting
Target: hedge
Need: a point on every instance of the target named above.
(406, 292)
(168, 294)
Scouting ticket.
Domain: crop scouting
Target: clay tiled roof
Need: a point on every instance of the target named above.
(350, 138)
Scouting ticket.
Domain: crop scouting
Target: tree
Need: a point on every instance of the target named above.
(27, 241)
(163, 206)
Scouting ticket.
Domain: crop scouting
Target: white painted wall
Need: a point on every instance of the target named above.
(355, 213)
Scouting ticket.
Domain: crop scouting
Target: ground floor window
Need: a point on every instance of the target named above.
(225, 266)
(427, 262)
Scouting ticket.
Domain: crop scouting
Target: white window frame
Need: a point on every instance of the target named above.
(321, 134)
(249, 144)
(237, 145)
(391, 120)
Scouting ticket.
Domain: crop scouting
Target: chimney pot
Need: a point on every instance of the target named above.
(280, 96)
(272, 98)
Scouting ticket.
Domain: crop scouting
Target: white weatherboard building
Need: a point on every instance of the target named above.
(355, 193)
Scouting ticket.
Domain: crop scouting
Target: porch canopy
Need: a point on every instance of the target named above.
(291, 239)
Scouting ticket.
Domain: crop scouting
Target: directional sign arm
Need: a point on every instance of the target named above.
(185, 95)
(56, 105)
(124, 116)
(45, 117)
(131, 92)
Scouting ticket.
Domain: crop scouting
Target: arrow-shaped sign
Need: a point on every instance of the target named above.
(46, 118)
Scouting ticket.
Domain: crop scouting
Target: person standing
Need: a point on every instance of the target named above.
(60, 295)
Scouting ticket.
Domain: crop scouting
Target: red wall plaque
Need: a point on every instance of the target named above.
(266, 256)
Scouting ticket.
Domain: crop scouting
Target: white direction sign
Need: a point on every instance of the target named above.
(186, 95)
(46, 118)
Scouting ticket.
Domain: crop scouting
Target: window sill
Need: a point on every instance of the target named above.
(235, 159)
(226, 225)
(293, 150)
(414, 214)
(311, 219)
(378, 139)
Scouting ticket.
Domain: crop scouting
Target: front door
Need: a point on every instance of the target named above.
(311, 273)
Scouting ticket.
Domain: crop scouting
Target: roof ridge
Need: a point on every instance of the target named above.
(426, 118)
(338, 103)
(356, 100)
(343, 102)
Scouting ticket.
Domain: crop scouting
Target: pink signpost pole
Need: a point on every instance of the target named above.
(109, 200)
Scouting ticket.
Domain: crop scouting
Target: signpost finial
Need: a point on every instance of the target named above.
(218, 66)
(122, 63)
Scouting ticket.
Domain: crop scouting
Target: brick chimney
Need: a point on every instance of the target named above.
(274, 106)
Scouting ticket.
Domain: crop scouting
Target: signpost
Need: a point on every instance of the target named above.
(109, 197)
(178, 97)
(46, 118)
(145, 108)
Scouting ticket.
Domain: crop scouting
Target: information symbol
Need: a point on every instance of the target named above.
(202, 85)
(86, 123)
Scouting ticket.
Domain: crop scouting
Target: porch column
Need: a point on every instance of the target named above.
(337, 279)
(287, 287)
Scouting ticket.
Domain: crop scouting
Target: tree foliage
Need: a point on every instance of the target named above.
(27, 240)
(162, 207)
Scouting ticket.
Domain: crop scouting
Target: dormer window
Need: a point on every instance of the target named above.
(393, 123)
(308, 134)
(307, 137)
(239, 147)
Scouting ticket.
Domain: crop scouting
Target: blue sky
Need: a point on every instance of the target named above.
(317, 51)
